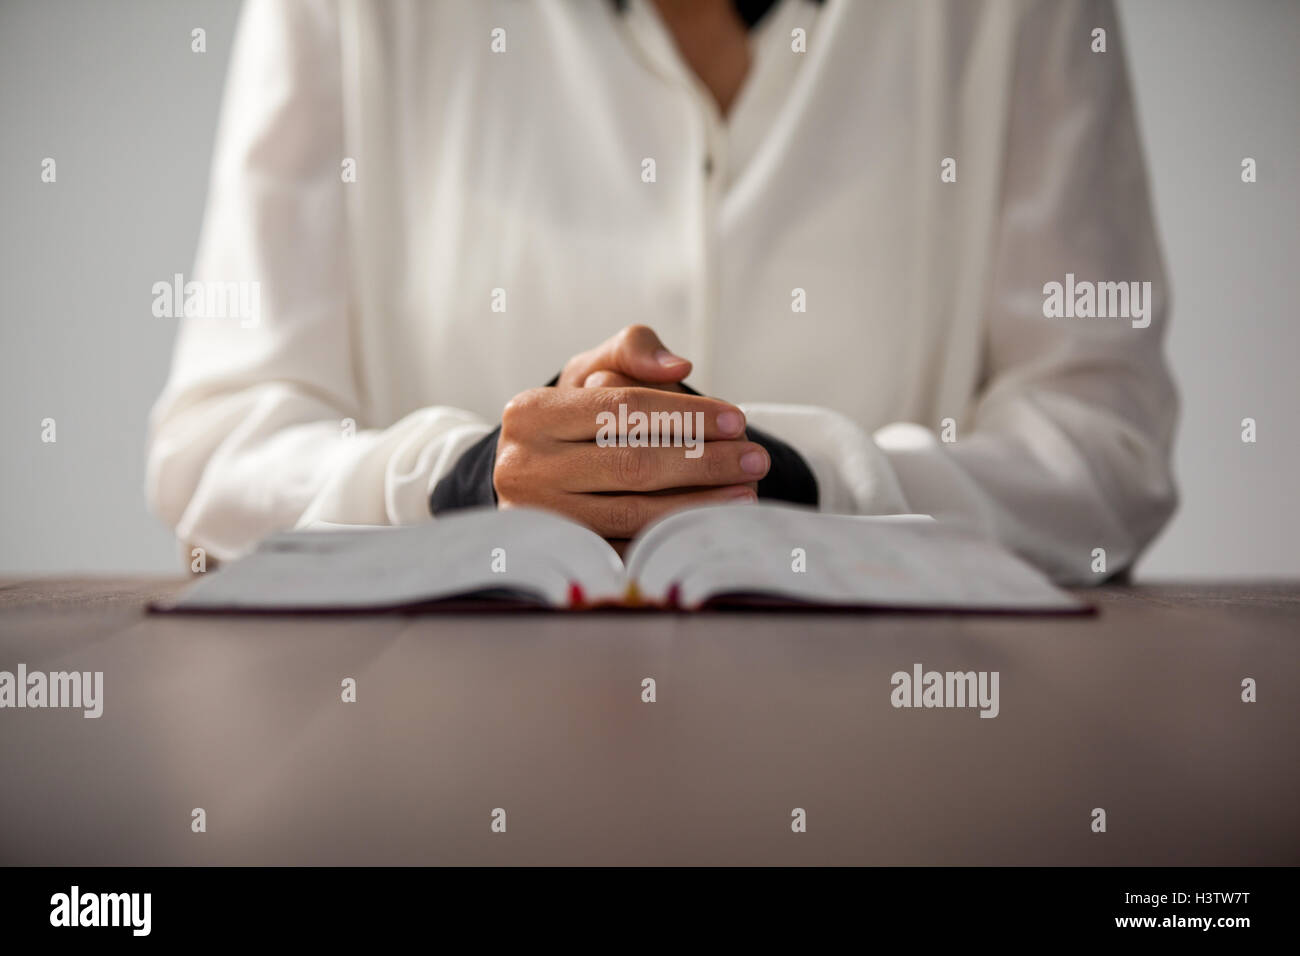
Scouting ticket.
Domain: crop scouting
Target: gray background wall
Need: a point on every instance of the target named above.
(113, 93)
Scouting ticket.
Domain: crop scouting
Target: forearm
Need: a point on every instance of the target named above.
(228, 471)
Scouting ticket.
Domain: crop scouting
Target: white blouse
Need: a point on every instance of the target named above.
(443, 200)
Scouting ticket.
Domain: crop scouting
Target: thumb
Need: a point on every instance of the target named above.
(638, 353)
(635, 353)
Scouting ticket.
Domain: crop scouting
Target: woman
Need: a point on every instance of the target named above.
(845, 215)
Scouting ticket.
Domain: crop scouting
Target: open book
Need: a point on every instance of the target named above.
(721, 555)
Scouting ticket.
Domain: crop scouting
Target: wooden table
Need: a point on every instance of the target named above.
(1137, 710)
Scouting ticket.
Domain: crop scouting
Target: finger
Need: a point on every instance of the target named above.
(583, 414)
(635, 352)
(588, 467)
(622, 516)
(607, 379)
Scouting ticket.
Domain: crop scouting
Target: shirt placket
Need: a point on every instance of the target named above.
(701, 189)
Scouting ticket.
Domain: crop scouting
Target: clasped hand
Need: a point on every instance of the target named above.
(548, 456)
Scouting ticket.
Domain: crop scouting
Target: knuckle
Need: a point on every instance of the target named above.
(512, 413)
(637, 399)
(614, 398)
(630, 467)
(520, 409)
(510, 472)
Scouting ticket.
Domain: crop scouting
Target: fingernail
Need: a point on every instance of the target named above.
(731, 423)
(667, 359)
(743, 496)
(754, 462)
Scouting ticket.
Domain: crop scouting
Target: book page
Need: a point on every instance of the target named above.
(896, 561)
(528, 552)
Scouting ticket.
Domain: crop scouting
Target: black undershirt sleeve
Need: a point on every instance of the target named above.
(469, 483)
